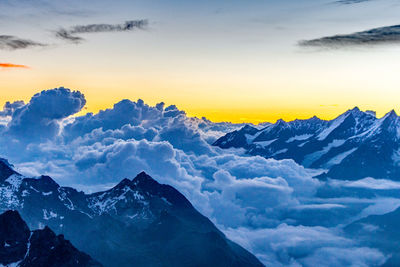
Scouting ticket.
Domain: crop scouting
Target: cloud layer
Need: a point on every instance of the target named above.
(40, 117)
(276, 209)
(376, 36)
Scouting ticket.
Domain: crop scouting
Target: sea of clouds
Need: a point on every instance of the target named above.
(275, 209)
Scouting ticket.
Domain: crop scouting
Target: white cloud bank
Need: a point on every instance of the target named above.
(250, 198)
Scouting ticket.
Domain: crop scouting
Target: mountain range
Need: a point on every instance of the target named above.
(138, 222)
(354, 145)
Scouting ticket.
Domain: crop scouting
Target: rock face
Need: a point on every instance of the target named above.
(138, 222)
(21, 247)
(354, 145)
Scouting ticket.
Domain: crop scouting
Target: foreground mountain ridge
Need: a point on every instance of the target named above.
(138, 222)
(354, 145)
(21, 247)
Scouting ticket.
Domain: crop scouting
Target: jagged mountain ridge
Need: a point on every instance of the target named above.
(354, 145)
(21, 247)
(138, 222)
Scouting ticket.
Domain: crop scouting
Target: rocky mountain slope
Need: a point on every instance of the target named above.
(21, 247)
(138, 222)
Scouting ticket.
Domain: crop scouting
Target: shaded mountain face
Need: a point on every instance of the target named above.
(6, 169)
(21, 247)
(139, 222)
(354, 145)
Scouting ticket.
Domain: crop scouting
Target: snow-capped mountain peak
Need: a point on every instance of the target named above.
(338, 145)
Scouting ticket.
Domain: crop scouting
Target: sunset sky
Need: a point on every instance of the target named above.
(225, 60)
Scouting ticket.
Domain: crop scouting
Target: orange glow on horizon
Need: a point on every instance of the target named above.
(11, 65)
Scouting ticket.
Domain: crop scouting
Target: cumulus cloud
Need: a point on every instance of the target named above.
(9, 42)
(274, 208)
(11, 65)
(40, 118)
(71, 34)
(376, 36)
(10, 107)
(254, 201)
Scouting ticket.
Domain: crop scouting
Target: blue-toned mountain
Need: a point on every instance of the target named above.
(354, 145)
(138, 222)
(22, 247)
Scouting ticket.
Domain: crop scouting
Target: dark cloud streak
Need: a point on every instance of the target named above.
(9, 42)
(66, 35)
(71, 34)
(349, 2)
(376, 36)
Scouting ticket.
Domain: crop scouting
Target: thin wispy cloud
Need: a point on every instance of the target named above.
(376, 36)
(349, 2)
(9, 42)
(73, 33)
(11, 65)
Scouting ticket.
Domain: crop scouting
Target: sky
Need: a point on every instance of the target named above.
(238, 61)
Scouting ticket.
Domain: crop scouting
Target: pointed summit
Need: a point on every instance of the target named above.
(46, 182)
(249, 129)
(391, 114)
(145, 183)
(354, 111)
(143, 179)
(280, 121)
(314, 118)
(390, 121)
(143, 174)
(11, 221)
